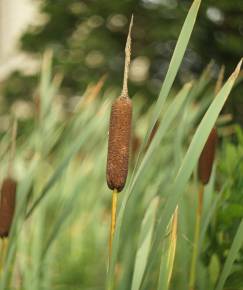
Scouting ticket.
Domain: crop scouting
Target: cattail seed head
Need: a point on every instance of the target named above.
(119, 143)
(7, 205)
(206, 159)
(136, 144)
(152, 135)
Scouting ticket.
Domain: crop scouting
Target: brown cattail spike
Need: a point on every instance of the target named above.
(206, 159)
(119, 143)
(120, 130)
(7, 205)
(152, 135)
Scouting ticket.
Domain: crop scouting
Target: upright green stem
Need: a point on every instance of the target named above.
(196, 239)
(2, 253)
(113, 219)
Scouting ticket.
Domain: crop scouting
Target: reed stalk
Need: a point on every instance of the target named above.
(195, 251)
(113, 218)
(4, 244)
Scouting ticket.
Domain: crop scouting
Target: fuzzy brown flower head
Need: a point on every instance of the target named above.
(7, 205)
(136, 144)
(207, 156)
(152, 135)
(119, 143)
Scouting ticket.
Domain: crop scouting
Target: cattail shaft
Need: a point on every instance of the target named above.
(195, 251)
(7, 205)
(207, 156)
(3, 250)
(113, 219)
(119, 143)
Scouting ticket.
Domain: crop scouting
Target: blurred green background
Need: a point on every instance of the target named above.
(88, 39)
(59, 238)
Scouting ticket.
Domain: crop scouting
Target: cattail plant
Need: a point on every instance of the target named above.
(206, 159)
(119, 139)
(205, 165)
(8, 197)
(204, 170)
(7, 205)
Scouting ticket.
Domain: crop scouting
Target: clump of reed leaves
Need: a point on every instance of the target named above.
(59, 236)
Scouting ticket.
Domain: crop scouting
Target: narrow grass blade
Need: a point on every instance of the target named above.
(60, 169)
(207, 218)
(145, 240)
(61, 220)
(168, 253)
(175, 63)
(232, 255)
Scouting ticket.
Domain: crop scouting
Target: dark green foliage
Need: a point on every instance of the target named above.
(230, 208)
(81, 31)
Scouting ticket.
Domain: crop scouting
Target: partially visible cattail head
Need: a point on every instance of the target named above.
(153, 132)
(7, 205)
(119, 143)
(206, 159)
(136, 143)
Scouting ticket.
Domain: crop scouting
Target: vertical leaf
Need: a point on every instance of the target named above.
(175, 63)
(233, 252)
(145, 240)
(168, 253)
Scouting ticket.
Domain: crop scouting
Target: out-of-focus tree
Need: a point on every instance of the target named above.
(88, 39)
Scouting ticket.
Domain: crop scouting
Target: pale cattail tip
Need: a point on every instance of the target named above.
(7, 205)
(119, 143)
(206, 159)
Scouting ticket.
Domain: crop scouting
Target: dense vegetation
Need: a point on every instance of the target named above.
(59, 236)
